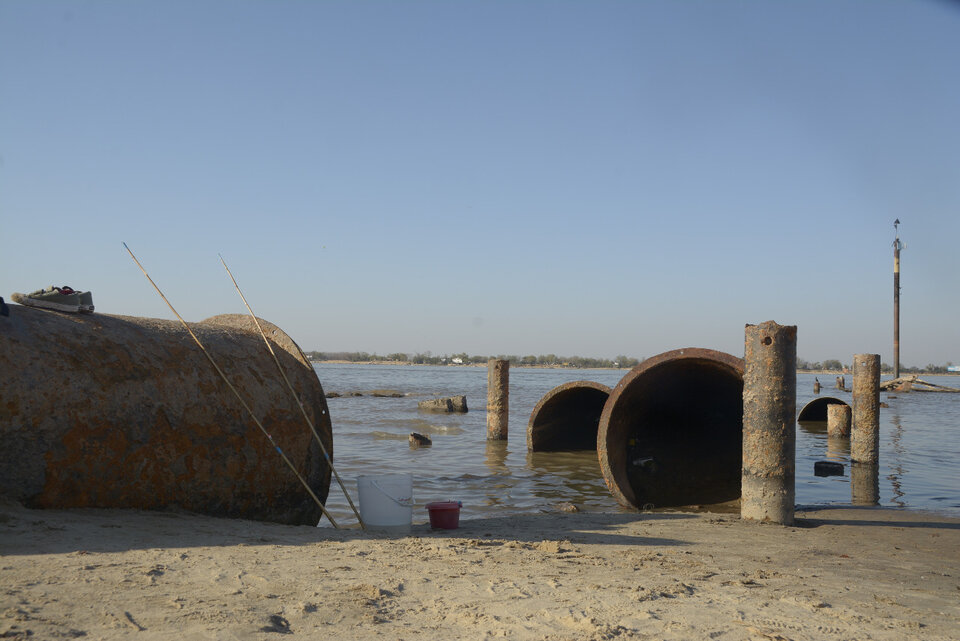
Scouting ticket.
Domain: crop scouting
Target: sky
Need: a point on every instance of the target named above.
(544, 177)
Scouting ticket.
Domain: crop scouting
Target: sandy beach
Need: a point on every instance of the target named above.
(839, 573)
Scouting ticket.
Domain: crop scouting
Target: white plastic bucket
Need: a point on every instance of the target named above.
(386, 501)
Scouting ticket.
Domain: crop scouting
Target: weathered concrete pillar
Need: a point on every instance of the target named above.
(864, 483)
(769, 426)
(865, 430)
(838, 420)
(498, 397)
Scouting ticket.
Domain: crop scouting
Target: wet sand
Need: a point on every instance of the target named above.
(840, 573)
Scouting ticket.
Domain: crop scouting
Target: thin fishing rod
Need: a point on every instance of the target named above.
(293, 393)
(234, 390)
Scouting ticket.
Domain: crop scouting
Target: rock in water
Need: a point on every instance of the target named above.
(436, 405)
(447, 404)
(827, 468)
(419, 440)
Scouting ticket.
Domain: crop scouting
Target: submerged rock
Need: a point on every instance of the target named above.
(419, 440)
(827, 468)
(446, 404)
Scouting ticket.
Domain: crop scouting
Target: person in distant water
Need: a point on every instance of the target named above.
(816, 385)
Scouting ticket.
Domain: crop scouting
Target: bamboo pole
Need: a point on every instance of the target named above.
(293, 393)
(234, 390)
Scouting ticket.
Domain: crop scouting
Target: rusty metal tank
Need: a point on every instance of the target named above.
(115, 411)
(567, 417)
(671, 431)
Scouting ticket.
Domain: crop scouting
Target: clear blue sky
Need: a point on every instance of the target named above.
(577, 178)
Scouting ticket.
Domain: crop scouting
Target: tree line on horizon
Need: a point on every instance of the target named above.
(462, 358)
(834, 365)
(552, 360)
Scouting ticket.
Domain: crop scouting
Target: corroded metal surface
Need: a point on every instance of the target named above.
(838, 420)
(865, 429)
(498, 399)
(670, 433)
(567, 417)
(816, 410)
(769, 427)
(115, 411)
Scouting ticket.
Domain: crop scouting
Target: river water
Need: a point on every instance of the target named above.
(919, 444)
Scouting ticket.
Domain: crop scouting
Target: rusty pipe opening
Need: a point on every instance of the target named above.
(671, 431)
(567, 418)
(816, 410)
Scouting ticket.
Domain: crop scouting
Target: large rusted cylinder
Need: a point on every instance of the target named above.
(670, 432)
(838, 420)
(769, 426)
(117, 411)
(498, 399)
(567, 417)
(865, 429)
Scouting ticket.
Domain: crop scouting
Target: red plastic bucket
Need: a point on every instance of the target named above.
(444, 515)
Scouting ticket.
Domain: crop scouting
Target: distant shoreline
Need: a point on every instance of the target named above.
(412, 364)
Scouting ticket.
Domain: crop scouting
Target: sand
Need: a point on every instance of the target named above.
(840, 573)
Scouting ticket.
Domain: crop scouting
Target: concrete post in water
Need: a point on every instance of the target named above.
(865, 430)
(498, 396)
(864, 483)
(769, 426)
(838, 420)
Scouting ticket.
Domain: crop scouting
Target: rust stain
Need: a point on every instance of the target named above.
(125, 412)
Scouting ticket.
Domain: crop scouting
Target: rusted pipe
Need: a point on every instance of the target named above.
(498, 399)
(567, 417)
(769, 427)
(838, 420)
(865, 430)
(670, 433)
(816, 410)
(118, 411)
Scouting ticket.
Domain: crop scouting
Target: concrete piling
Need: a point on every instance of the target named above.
(865, 428)
(864, 483)
(769, 427)
(498, 399)
(838, 420)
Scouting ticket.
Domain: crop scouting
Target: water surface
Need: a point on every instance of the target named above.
(919, 443)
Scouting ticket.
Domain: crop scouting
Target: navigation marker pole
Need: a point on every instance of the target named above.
(897, 246)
